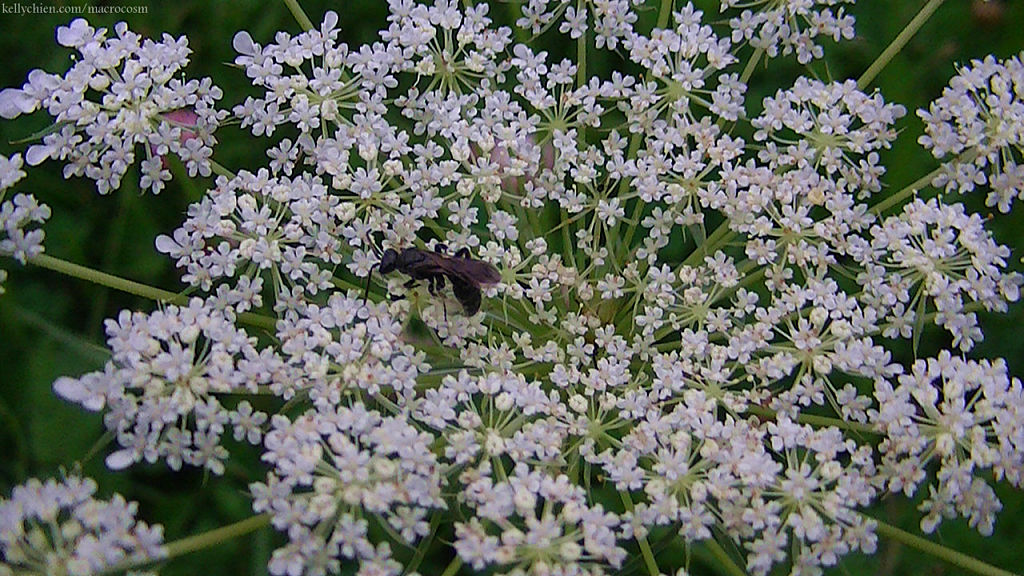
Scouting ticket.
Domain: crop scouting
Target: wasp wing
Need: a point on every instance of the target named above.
(467, 294)
(466, 276)
(475, 272)
(422, 265)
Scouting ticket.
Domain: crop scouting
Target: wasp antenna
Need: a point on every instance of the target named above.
(369, 275)
(376, 249)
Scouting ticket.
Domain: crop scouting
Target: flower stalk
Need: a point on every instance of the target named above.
(958, 559)
(216, 536)
(101, 278)
(898, 43)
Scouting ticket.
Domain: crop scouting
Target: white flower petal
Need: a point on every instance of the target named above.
(121, 459)
(38, 154)
(243, 44)
(76, 34)
(15, 102)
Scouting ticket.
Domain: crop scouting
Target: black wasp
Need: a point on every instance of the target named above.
(465, 274)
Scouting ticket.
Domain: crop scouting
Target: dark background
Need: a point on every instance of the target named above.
(51, 325)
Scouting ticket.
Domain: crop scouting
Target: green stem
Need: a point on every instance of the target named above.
(718, 237)
(199, 542)
(108, 280)
(581, 55)
(97, 448)
(220, 170)
(299, 14)
(421, 550)
(645, 547)
(726, 561)
(453, 567)
(817, 421)
(907, 191)
(901, 40)
(74, 343)
(216, 536)
(132, 287)
(115, 241)
(748, 70)
(664, 11)
(911, 189)
(958, 559)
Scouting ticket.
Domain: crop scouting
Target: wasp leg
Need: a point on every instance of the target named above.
(408, 286)
(434, 285)
(441, 248)
(462, 253)
(366, 293)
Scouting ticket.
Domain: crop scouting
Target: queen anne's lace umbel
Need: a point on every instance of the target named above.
(978, 124)
(679, 304)
(61, 527)
(17, 239)
(163, 389)
(124, 94)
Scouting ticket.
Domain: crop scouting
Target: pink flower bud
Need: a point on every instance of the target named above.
(183, 118)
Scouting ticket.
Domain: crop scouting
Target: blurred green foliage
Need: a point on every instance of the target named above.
(52, 325)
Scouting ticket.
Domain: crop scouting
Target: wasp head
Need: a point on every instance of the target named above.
(388, 261)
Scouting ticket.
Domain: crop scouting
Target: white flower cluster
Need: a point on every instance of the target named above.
(16, 215)
(683, 62)
(596, 358)
(978, 125)
(611, 20)
(17, 240)
(700, 470)
(679, 302)
(121, 92)
(790, 26)
(966, 416)
(937, 253)
(540, 524)
(834, 129)
(349, 348)
(10, 171)
(336, 470)
(259, 222)
(162, 388)
(56, 527)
